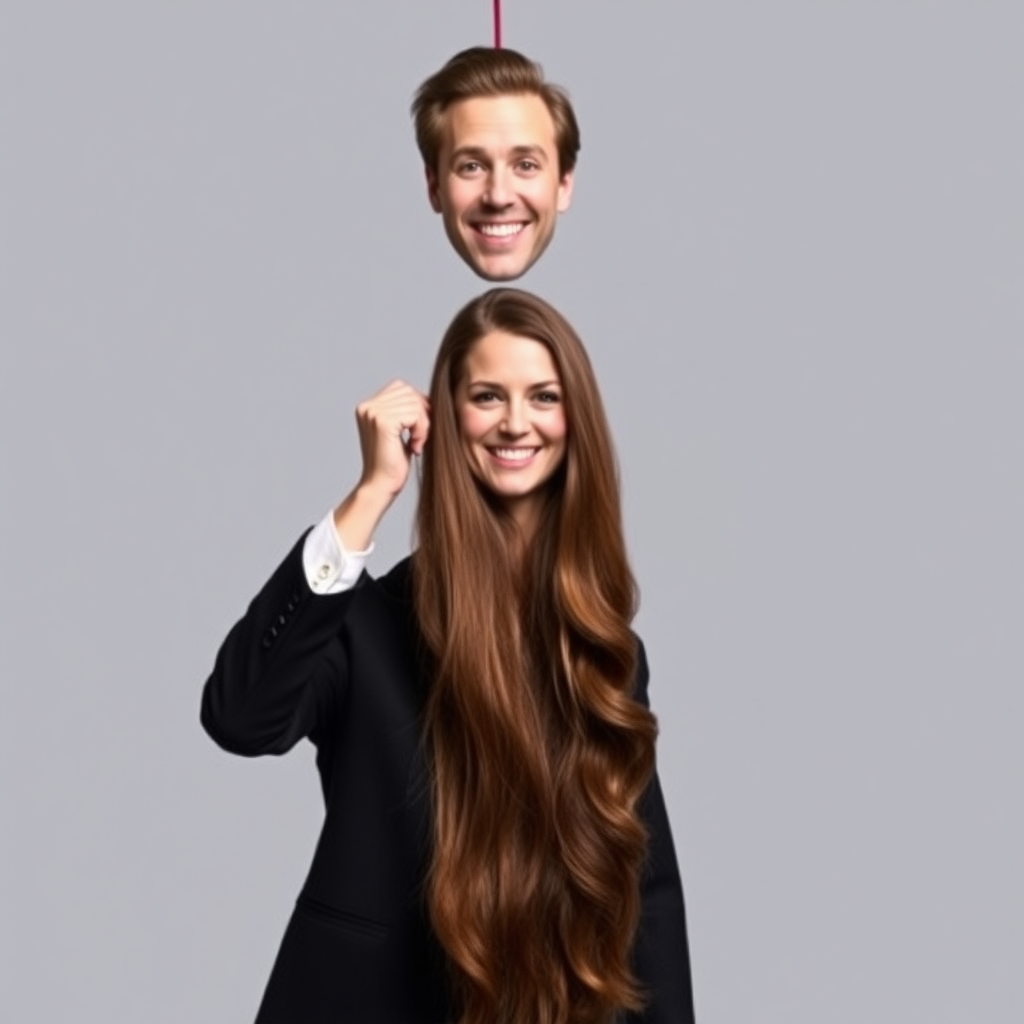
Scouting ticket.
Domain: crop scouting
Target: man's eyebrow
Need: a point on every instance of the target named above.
(534, 150)
(479, 153)
(468, 153)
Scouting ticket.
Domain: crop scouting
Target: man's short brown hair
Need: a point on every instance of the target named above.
(490, 71)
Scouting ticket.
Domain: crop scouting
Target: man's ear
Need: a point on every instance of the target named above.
(565, 191)
(433, 191)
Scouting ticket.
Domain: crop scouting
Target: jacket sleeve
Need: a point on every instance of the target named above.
(661, 953)
(281, 672)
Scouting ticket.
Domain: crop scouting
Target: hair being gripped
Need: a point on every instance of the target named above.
(539, 752)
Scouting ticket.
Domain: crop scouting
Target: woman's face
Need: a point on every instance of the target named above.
(512, 419)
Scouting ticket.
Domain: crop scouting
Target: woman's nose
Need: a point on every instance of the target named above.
(514, 422)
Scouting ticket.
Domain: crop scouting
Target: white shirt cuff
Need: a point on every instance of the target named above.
(329, 568)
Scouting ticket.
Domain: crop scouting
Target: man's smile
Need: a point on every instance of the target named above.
(499, 229)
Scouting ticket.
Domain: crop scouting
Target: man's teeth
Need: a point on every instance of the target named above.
(500, 230)
(514, 453)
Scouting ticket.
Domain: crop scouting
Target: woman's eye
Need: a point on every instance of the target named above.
(483, 397)
(548, 397)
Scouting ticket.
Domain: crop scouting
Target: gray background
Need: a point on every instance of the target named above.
(795, 253)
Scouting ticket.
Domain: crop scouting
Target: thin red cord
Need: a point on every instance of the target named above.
(497, 24)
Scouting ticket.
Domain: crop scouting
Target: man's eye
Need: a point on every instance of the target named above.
(529, 166)
(469, 167)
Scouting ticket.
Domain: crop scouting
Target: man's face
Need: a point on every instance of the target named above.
(497, 183)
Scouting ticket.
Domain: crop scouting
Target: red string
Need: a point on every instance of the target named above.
(497, 24)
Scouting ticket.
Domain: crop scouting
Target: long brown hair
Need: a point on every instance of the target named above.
(539, 753)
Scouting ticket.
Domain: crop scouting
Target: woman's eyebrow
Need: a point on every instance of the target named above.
(500, 387)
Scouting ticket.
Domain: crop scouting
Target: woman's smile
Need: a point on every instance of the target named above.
(512, 418)
(513, 458)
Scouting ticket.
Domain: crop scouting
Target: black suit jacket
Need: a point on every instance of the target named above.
(347, 672)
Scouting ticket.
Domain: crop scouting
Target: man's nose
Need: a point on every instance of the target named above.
(499, 189)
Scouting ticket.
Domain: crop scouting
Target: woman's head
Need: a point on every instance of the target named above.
(516, 413)
(511, 420)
